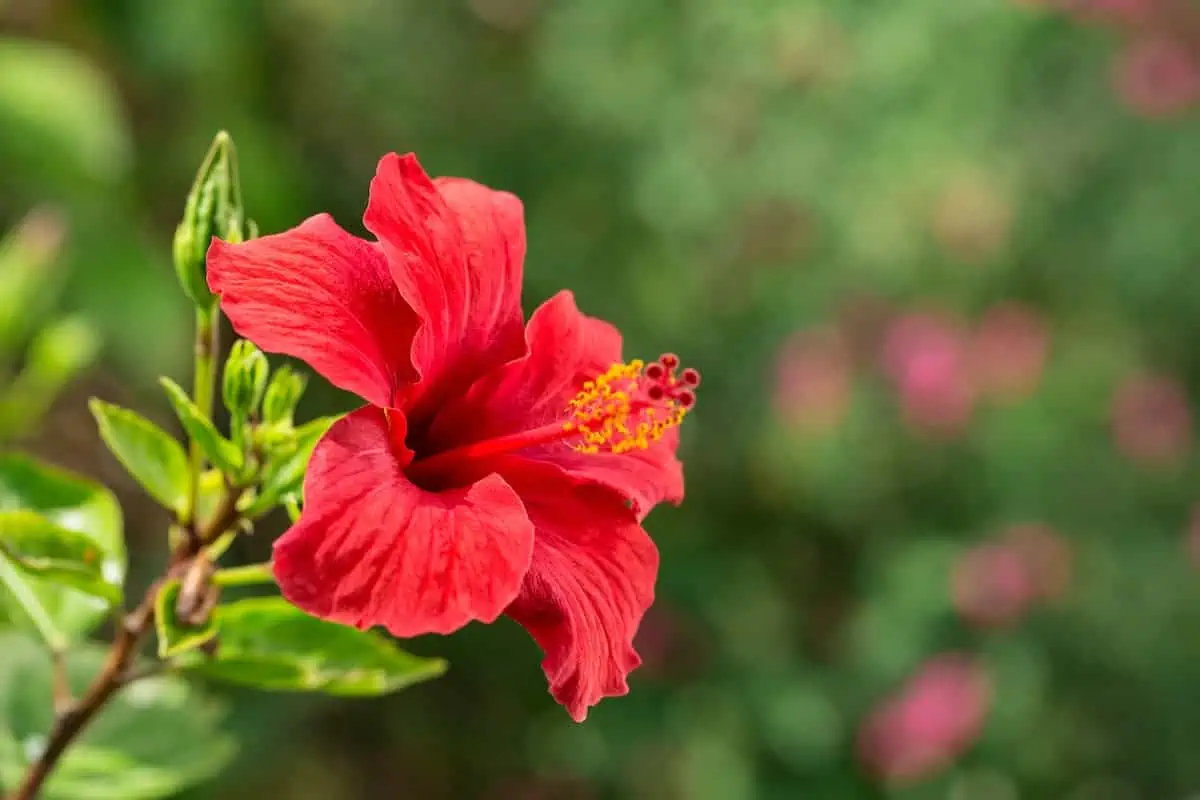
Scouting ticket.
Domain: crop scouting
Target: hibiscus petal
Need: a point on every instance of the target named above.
(320, 294)
(455, 249)
(588, 586)
(493, 230)
(646, 477)
(565, 348)
(371, 548)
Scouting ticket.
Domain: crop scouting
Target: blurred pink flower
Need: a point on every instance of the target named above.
(1008, 351)
(998, 582)
(929, 722)
(1113, 12)
(1151, 419)
(992, 585)
(813, 379)
(1046, 555)
(1158, 76)
(926, 357)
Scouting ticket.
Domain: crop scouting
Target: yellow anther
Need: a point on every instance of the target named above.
(612, 414)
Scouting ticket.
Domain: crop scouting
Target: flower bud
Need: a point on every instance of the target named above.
(214, 208)
(245, 378)
(282, 396)
(62, 349)
(27, 280)
(57, 353)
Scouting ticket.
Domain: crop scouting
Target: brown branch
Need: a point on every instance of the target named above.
(71, 720)
(63, 699)
(74, 716)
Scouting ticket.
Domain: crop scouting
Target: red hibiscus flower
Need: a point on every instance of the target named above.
(498, 466)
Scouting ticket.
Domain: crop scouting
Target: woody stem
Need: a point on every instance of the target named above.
(73, 717)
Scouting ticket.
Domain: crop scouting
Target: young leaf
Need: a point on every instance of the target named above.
(154, 739)
(27, 608)
(73, 504)
(38, 547)
(150, 455)
(174, 635)
(220, 451)
(267, 643)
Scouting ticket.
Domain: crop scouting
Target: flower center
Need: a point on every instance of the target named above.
(630, 406)
(627, 408)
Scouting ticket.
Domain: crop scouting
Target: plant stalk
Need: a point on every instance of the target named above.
(207, 346)
(75, 716)
(72, 716)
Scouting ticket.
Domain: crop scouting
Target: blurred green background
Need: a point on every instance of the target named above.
(936, 261)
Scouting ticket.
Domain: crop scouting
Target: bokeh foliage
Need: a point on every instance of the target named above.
(715, 177)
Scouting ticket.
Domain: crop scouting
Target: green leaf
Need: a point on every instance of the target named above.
(285, 471)
(42, 549)
(154, 739)
(150, 455)
(223, 453)
(73, 504)
(270, 644)
(174, 635)
(27, 608)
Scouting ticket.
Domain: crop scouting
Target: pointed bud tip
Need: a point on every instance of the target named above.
(283, 394)
(245, 378)
(42, 232)
(63, 348)
(213, 208)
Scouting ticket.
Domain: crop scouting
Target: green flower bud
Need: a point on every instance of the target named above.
(58, 353)
(282, 396)
(214, 208)
(62, 349)
(27, 279)
(245, 378)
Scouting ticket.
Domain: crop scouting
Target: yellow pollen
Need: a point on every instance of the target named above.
(614, 414)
